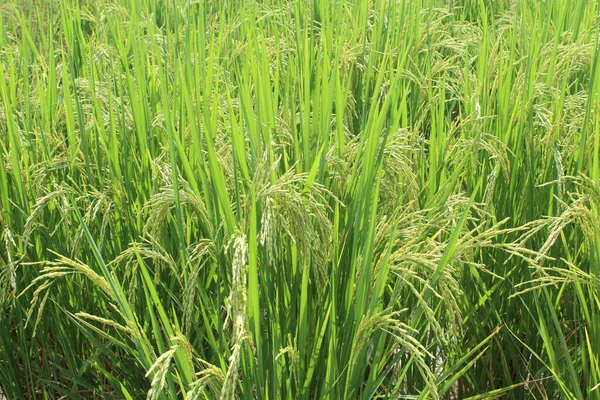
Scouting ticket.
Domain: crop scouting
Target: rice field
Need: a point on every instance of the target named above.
(294, 199)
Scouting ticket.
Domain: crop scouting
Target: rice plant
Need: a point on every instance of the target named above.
(300, 199)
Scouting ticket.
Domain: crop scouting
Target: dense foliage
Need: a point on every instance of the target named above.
(299, 199)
